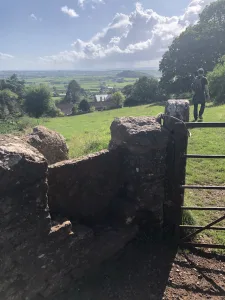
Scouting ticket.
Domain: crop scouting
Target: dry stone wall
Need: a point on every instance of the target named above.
(40, 258)
(59, 221)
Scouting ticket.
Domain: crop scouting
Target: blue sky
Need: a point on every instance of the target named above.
(76, 34)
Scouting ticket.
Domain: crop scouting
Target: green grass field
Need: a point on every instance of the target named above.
(89, 83)
(89, 133)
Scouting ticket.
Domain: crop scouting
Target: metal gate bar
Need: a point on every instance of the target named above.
(203, 187)
(204, 228)
(200, 245)
(203, 156)
(203, 208)
(203, 125)
(200, 227)
(210, 226)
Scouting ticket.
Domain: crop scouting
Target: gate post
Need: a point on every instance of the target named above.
(176, 162)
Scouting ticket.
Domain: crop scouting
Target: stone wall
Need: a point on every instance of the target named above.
(84, 188)
(40, 258)
(59, 221)
(116, 186)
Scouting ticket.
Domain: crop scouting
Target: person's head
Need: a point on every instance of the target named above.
(200, 72)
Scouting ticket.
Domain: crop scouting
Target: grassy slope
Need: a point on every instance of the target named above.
(91, 132)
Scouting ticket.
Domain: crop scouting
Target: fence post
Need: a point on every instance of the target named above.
(176, 162)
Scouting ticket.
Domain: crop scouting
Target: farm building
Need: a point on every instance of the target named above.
(102, 102)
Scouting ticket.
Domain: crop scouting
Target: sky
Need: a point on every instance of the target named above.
(90, 34)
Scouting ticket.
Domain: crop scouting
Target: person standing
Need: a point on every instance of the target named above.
(201, 94)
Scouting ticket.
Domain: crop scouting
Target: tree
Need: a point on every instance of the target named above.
(38, 100)
(75, 109)
(84, 106)
(217, 82)
(73, 92)
(9, 105)
(14, 84)
(198, 46)
(145, 90)
(118, 98)
(55, 92)
(127, 90)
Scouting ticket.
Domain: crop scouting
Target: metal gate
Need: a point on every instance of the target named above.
(185, 241)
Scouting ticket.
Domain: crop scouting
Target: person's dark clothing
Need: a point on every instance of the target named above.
(200, 98)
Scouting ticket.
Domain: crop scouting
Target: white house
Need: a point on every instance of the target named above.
(100, 98)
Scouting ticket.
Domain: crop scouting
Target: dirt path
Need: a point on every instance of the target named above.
(194, 276)
(150, 271)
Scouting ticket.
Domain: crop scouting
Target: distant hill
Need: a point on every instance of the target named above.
(131, 74)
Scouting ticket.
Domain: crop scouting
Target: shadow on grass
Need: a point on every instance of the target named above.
(140, 271)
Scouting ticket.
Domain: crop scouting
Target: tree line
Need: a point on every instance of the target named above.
(199, 46)
(16, 99)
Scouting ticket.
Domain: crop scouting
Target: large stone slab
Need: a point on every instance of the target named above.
(137, 134)
(84, 188)
(179, 109)
(50, 143)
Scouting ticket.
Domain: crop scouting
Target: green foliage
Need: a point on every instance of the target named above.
(25, 123)
(53, 111)
(217, 82)
(130, 74)
(75, 109)
(38, 100)
(144, 90)
(55, 92)
(73, 92)
(127, 90)
(13, 84)
(92, 108)
(84, 106)
(200, 45)
(9, 104)
(118, 98)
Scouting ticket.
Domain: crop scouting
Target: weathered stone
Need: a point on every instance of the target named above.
(83, 188)
(144, 168)
(50, 143)
(137, 134)
(39, 260)
(20, 164)
(178, 109)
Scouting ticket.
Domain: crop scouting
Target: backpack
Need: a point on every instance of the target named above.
(197, 85)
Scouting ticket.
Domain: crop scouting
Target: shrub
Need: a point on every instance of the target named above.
(9, 105)
(84, 106)
(75, 110)
(118, 98)
(130, 102)
(53, 111)
(25, 123)
(92, 109)
(38, 100)
(217, 82)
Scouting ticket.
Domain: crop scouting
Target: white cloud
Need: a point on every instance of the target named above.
(69, 11)
(82, 3)
(5, 56)
(35, 18)
(142, 36)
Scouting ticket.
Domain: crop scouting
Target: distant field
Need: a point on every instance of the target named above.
(89, 133)
(89, 83)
